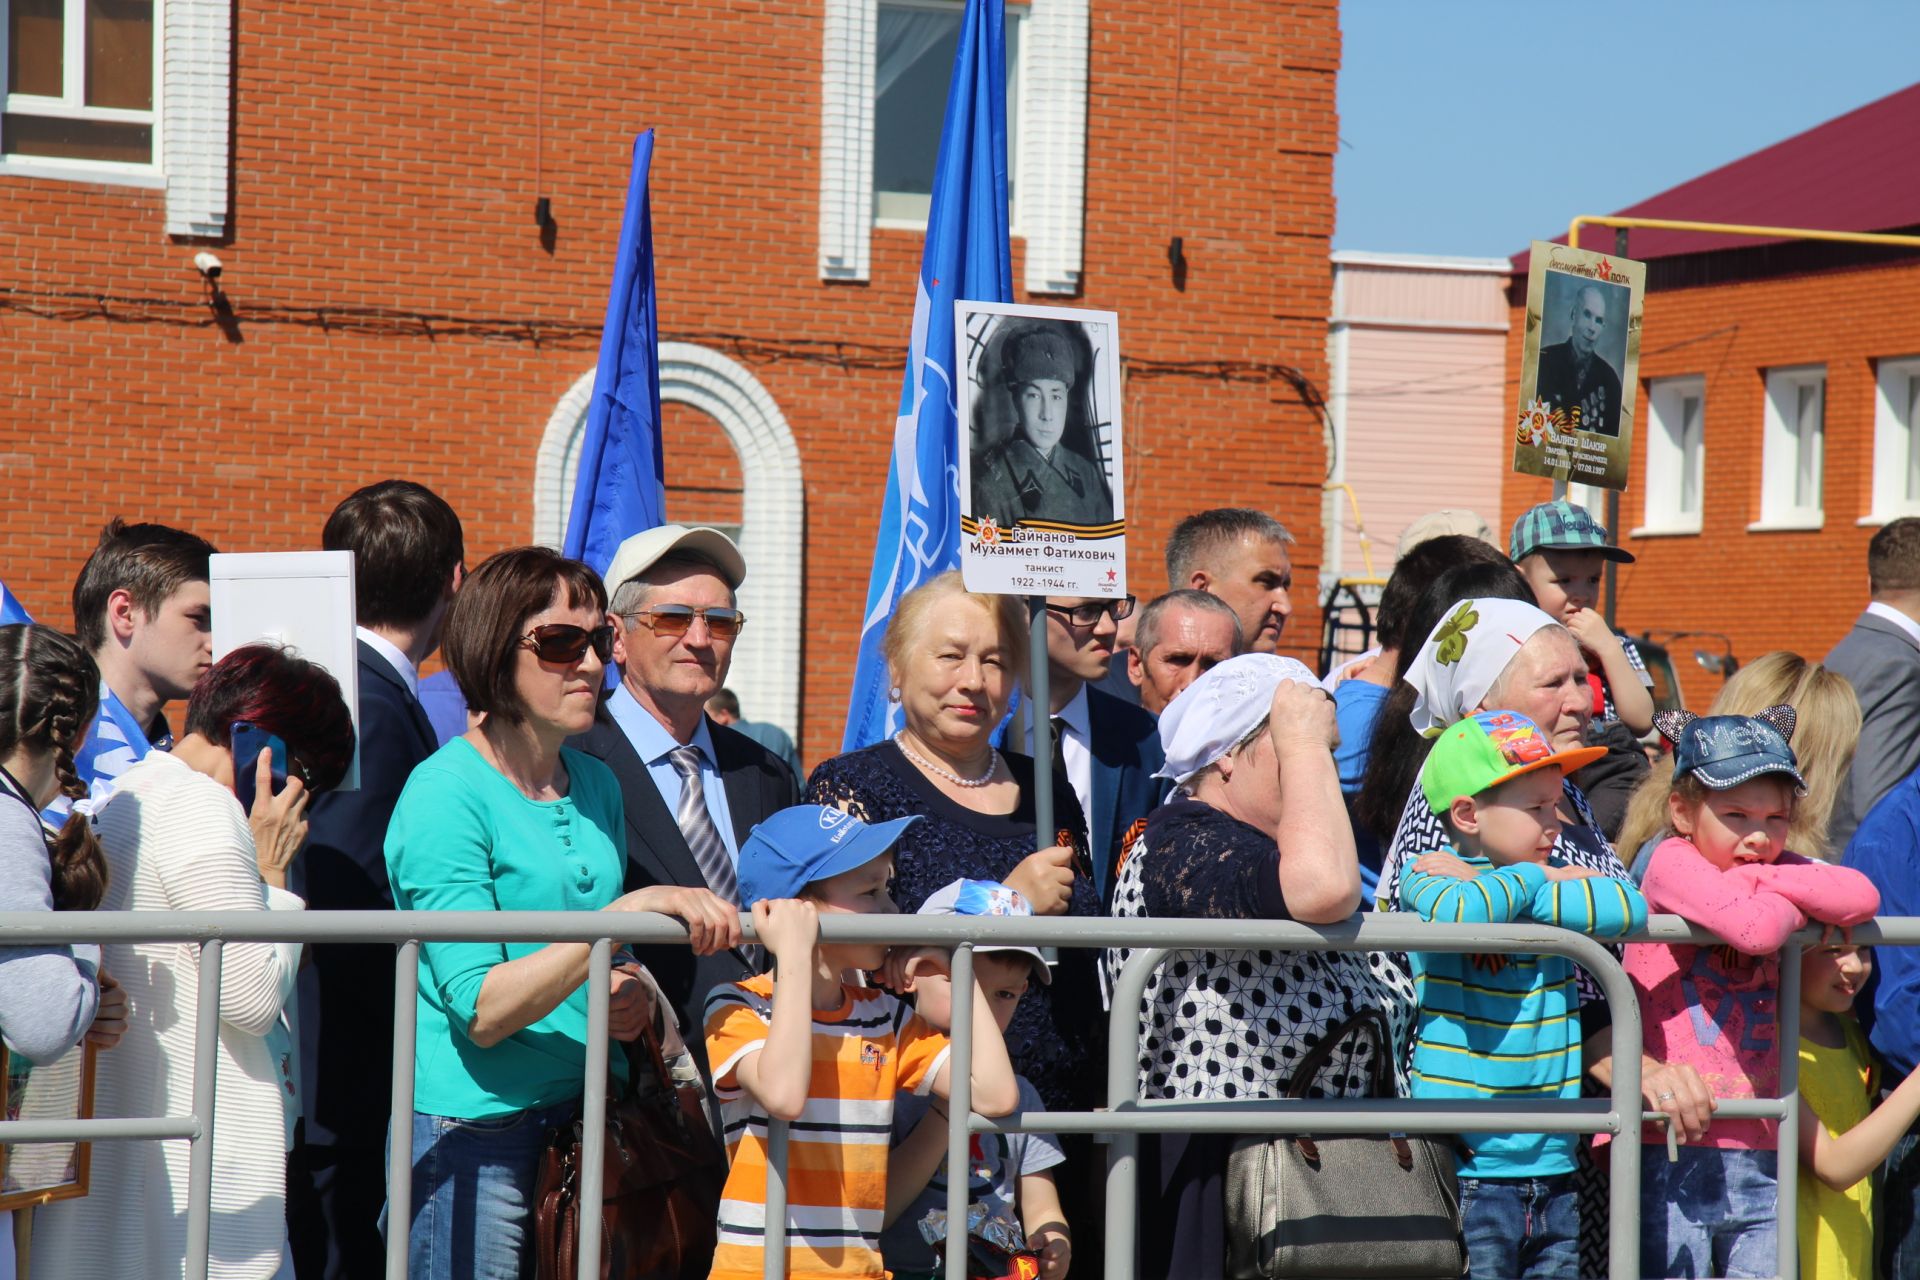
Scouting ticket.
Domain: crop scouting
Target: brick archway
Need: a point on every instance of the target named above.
(766, 662)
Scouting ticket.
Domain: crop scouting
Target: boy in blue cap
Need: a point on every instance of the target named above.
(804, 1044)
(1561, 550)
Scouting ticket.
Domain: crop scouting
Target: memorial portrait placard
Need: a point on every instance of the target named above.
(1042, 479)
(36, 1173)
(1578, 362)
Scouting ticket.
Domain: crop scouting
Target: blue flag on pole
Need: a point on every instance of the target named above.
(966, 256)
(621, 486)
(10, 608)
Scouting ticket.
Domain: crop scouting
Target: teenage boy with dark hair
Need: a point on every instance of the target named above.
(141, 608)
(408, 549)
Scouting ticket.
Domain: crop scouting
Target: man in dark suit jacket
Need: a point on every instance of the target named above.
(1880, 657)
(692, 788)
(1106, 749)
(407, 546)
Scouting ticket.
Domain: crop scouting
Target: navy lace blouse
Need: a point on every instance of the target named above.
(1058, 1035)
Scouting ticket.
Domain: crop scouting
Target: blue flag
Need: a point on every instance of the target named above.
(10, 608)
(621, 486)
(966, 256)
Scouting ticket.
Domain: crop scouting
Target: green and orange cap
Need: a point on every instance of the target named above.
(1484, 750)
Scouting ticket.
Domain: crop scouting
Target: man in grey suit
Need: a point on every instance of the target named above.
(1881, 658)
(693, 788)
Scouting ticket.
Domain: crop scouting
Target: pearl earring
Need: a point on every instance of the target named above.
(894, 693)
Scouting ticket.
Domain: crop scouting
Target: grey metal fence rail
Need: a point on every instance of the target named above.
(1126, 1117)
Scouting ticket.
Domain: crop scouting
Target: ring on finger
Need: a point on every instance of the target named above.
(1664, 1097)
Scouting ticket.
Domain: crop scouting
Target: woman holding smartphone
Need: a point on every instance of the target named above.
(177, 839)
(505, 818)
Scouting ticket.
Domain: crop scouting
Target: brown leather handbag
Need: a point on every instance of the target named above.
(661, 1189)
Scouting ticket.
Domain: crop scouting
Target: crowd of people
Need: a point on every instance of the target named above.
(1498, 757)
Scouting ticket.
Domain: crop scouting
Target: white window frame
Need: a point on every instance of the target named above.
(1781, 448)
(1666, 456)
(1016, 14)
(1049, 189)
(1594, 498)
(1896, 439)
(71, 105)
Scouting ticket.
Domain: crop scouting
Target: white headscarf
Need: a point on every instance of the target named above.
(1211, 715)
(1464, 655)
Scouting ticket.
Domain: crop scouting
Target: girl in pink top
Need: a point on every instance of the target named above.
(1736, 782)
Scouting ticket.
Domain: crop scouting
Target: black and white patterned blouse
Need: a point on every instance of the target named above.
(1234, 1024)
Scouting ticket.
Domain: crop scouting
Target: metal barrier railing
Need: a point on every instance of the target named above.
(1127, 1116)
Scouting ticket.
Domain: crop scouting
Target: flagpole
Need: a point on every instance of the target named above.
(1041, 718)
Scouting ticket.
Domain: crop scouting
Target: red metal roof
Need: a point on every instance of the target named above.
(1853, 173)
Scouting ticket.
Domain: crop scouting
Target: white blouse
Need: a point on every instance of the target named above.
(176, 840)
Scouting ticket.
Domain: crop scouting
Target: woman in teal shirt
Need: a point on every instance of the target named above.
(505, 818)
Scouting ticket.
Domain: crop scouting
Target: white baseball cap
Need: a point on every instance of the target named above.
(986, 898)
(644, 549)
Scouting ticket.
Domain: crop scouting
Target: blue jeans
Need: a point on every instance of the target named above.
(1710, 1214)
(1521, 1228)
(473, 1183)
(1897, 1210)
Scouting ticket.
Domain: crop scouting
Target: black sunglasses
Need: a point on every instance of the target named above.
(1089, 615)
(562, 642)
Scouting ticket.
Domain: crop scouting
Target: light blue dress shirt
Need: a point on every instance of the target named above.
(653, 743)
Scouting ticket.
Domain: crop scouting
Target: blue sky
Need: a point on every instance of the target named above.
(1466, 129)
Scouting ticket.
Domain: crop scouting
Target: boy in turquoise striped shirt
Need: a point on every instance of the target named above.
(1507, 1026)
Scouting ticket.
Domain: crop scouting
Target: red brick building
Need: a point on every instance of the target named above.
(1779, 393)
(368, 174)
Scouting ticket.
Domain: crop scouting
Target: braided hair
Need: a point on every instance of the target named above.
(49, 693)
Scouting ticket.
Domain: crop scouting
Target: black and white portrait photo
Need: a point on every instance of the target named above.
(1041, 474)
(1583, 345)
(1036, 448)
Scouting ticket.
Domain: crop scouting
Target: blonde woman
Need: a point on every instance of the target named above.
(954, 656)
(1824, 738)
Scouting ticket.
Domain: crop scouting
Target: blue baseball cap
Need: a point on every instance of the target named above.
(1725, 751)
(807, 843)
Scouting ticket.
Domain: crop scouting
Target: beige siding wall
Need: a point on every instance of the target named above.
(1418, 400)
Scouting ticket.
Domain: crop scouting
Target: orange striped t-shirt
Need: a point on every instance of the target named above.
(864, 1052)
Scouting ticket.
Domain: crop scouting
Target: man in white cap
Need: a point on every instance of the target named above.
(693, 788)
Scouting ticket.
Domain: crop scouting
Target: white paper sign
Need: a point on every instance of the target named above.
(1042, 491)
(300, 599)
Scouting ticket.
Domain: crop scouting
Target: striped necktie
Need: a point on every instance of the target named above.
(696, 824)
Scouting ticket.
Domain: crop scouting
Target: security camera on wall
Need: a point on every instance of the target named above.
(207, 265)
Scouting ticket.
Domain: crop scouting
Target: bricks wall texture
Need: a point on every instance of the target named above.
(384, 155)
(1765, 590)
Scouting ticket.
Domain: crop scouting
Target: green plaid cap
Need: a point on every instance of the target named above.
(1561, 526)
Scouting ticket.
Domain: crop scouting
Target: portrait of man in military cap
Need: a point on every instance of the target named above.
(1043, 469)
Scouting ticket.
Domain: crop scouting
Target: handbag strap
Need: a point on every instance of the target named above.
(1369, 1021)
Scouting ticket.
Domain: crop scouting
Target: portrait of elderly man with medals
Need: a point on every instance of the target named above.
(1035, 474)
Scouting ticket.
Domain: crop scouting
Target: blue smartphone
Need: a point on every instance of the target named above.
(248, 741)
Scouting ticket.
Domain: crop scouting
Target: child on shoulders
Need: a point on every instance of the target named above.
(1726, 868)
(804, 1044)
(1010, 1173)
(1507, 1026)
